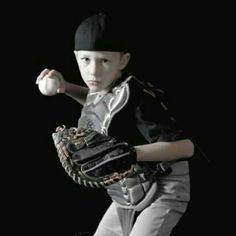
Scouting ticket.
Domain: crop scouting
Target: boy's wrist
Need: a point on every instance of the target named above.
(133, 153)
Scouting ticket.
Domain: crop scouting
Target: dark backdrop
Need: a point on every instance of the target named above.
(173, 49)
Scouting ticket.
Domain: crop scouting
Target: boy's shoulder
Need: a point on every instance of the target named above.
(140, 88)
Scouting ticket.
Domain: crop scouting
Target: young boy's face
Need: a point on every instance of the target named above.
(99, 69)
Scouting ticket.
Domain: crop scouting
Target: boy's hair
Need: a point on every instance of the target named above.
(101, 32)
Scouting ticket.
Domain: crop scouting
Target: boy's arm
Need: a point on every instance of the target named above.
(165, 151)
(78, 93)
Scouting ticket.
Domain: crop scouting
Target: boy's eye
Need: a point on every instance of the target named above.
(85, 59)
(105, 60)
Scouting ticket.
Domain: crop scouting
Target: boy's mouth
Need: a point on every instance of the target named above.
(94, 82)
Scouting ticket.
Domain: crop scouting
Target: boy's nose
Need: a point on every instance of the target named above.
(94, 68)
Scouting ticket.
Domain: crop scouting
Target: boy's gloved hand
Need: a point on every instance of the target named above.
(93, 159)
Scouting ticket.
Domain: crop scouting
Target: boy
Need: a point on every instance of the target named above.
(152, 201)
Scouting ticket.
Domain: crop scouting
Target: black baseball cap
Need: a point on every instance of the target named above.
(101, 32)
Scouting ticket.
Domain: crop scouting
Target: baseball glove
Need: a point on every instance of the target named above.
(93, 159)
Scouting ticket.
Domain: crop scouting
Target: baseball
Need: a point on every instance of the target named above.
(49, 86)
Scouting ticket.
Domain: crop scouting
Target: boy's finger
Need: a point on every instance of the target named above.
(41, 75)
(61, 90)
(51, 73)
(56, 74)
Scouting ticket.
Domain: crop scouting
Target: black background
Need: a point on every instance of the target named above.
(175, 49)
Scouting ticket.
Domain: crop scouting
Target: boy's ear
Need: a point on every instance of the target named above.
(125, 57)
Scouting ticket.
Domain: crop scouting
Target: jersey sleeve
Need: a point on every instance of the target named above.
(154, 121)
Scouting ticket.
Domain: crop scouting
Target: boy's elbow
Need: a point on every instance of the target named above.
(189, 149)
